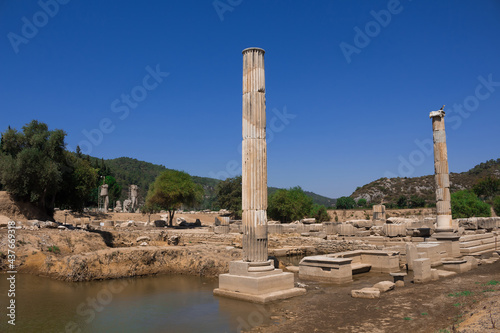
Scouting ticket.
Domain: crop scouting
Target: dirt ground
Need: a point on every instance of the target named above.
(19, 211)
(462, 303)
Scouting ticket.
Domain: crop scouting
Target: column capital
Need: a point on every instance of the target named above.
(253, 49)
(439, 113)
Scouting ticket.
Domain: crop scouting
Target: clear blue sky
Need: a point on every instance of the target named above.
(350, 84)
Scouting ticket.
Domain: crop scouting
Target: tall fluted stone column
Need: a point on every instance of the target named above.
(444, 229)
(254, 278)
(254, 159)
(444, 221)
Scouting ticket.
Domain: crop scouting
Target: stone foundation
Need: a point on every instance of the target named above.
(257, 282)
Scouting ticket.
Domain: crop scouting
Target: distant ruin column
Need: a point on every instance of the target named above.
(379, 214)
(133, 197)
(443, 205)
(104, 194)
(254, 159)
(222, 225)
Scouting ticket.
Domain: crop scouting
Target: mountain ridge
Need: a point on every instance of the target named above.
(388, 190)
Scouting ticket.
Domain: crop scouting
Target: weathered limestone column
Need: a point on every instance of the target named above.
(255, 279)
(443, 204)
(254, 157)
(444, 229)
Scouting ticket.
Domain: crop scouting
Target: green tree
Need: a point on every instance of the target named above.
(487, 187)
(228, 196)
(345, 203)
(466, 204)
(362, 202)
(402, 202)
(79, 181)
(289, 205)
(31, 164)
(171, 190)
(496, 205)
(320, 213)
(416, 202)
(79, 152)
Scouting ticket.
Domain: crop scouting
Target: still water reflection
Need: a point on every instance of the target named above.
(150, 304)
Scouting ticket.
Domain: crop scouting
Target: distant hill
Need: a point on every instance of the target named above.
(129, 171)
(388, 190)
(317, 199)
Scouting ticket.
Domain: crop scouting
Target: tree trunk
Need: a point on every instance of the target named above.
(171, 214)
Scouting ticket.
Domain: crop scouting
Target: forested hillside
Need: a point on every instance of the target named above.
(132, 171)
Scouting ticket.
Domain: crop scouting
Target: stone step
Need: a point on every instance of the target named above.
(483, 252)
(474, 249)
(477, 242)
(475, 237)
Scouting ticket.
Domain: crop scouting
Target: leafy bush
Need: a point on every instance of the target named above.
(346, 203)
(228, 194)
(54, 249)
(416, 202)
(402, 202)
(487, 187)
(496, 204)
(320, 213)
(289, 205)
(362, 202)
(466, 204)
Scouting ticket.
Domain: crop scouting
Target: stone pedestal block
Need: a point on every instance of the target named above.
(323, 268)
(422, 270)
(450, 241)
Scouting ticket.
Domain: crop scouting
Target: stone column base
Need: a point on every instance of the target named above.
(257, 282)
(450, 241)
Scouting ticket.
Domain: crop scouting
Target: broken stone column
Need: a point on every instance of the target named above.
(222, 225)
(379, 213)
(133, 197)
(254, 278)
(104, 194)
(444, 224)
(443, 205)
